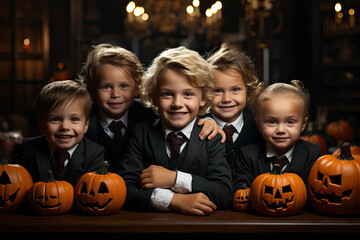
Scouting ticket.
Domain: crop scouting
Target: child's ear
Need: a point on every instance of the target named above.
(304, 124)
(136, 91)
(257, 124)
(86, 126)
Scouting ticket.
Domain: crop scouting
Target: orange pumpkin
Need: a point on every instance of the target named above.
(318, 140)
(278, 194)
(334, 183)
(101, 192)
(15, 182)
(51, 197)
(341, 131)
(241, 200)
(354, 150)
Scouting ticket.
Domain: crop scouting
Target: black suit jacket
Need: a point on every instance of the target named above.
(249, 134)
(204, 160)
(253, 162)
(34, 154)
(114, 151)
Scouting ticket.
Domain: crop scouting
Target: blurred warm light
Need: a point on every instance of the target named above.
(26, 42)
(213, 9)
(130, 7)
(145, 17)
(60, 66)
(218, 5)
(190, 9)
(340, 15)
(208, 12)
(137, 11)
(337, 7)
(196, 3)
(351, 11)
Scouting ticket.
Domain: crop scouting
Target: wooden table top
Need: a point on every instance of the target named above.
(226, 221)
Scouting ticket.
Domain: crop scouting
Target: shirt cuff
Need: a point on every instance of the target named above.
(183, 182)
(161, 198)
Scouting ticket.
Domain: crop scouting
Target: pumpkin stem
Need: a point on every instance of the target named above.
(276, 169)
(50, 176)
(4, 161)
(345, 153)
(103, 169)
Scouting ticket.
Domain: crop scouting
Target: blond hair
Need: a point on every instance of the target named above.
(59, 94)
(185, 61)
(109, 54)
(296, 87)
(229, 58)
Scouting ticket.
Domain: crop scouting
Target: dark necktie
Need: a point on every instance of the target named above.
(175, 142)
(282, 161)
(116, 127)
(229, 131)
(59, 158)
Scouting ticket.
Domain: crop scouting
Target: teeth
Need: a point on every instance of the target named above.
(65, 137)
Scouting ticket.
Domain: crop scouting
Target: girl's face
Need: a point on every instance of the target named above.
(229, 95)
(281, 121)
(116, 90)
(178, 101)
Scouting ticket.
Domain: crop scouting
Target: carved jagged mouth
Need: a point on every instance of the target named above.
(330, 198)
(242, 203)
(48, 207)
(275, 206)
(96, 206)
(11, 199)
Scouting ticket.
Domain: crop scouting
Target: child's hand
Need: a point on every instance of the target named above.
(193, 204)
(210, 129)
(157, 177)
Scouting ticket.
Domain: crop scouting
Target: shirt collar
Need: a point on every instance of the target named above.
(70, 151)
(270, 152)
(105, 120)
(186, 130)
(238, 123)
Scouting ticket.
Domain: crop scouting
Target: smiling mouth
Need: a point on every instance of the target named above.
(177, 114)
(227, 107)
(64, 136)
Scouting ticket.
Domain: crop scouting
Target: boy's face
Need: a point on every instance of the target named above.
(281, 121)
(178, 102)
(65, 126)
(116, 90)
(229, 95)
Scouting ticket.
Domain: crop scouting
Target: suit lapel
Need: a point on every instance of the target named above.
(264, 164)
(158, 144)
(43, 163)
(193, 147)
(76, 161)
(297, 160)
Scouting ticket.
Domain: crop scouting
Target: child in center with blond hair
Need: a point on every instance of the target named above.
(281, 116)
(167, 166)
(113, 76)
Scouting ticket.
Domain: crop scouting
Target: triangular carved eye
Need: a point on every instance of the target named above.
(103, 188)
(4, 179)
(84, 188)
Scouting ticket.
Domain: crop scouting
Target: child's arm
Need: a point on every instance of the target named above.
(210, 129)
(194, 204)
(157, 177)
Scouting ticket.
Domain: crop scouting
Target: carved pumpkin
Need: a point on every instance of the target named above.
(51, 197)
(278, 194)
(341, 131)
(100, 192)
(15, 182)
(318, 140)
(241, 200)
(355, 150)
(334, 183)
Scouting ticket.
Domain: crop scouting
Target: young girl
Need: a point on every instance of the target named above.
(185, 174)
(281, 116)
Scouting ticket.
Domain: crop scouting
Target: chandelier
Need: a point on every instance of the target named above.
(175, 16)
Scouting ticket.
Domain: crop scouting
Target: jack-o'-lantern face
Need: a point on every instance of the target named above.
(329, 188)
(96, 197)
(241, 199)
(100, 192)
(47, 197)
(277, 198)
(15, 182)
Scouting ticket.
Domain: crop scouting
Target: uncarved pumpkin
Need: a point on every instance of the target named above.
(15, 182)
(318, 140)
(51, 197)
(341, 130)
(334, 183)
(241, 200)
(101, 192)
(278, 194)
